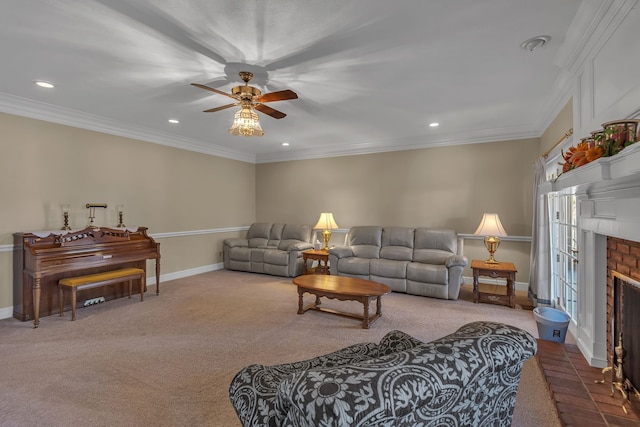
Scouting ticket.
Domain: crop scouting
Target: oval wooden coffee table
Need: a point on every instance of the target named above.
(344, 289)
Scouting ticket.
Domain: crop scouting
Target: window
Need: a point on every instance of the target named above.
(564, 251)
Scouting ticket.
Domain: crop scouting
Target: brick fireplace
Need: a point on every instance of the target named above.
(623, 257)
(623, 316)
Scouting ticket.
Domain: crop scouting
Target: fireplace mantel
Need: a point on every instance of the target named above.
(625, 166)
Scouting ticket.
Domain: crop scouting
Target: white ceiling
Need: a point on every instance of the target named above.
(370, 74)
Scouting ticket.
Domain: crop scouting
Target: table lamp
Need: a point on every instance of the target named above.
(491, 228)
(326, 223)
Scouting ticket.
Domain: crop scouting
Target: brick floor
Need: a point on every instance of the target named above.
(579, 400)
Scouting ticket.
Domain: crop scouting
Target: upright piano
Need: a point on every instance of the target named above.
(41, 259)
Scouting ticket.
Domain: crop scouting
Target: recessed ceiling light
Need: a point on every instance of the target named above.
(44, 84)
(174, 121)
(285, 144)
(534, 43)
(434, 124)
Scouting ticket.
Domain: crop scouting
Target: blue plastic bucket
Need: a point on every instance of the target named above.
(552, 323)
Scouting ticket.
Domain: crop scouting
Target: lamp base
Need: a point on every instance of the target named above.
(326, 235)
(492, 244)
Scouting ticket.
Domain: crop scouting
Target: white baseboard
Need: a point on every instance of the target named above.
(185, 273)
(7, 312)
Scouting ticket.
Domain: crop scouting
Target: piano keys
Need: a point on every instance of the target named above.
(41, 260)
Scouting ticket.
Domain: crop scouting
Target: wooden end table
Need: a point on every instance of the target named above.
(323, 261)
(504, 270)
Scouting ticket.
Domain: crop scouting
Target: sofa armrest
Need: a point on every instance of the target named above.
(253, 390)
(341, 251)
(300, 246)
(457, 260)
(232, 243)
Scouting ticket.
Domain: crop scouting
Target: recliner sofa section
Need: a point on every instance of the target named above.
(269, 248)
(420, 261)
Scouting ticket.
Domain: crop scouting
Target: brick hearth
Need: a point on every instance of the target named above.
(579, 400)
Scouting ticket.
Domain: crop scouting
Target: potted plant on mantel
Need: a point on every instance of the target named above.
(613, 138)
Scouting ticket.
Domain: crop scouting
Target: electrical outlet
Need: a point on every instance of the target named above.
(220, 254)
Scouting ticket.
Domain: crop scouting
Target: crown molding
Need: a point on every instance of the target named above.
(12, 104)
(42, 111)
(402, 144)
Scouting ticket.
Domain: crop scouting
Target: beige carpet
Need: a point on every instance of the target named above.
(168, 361)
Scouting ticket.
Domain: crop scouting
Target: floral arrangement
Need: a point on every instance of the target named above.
(609, 141)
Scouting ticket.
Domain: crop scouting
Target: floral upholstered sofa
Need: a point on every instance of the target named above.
(274, 249)
(468, 378)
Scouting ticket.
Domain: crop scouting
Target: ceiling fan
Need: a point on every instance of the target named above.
(251, 97)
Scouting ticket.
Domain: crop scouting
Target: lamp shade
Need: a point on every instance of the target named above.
(490, 226)
(246, 123)
(326, 222)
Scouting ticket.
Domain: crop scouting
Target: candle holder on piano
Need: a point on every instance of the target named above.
(120, 216)
(65, 217)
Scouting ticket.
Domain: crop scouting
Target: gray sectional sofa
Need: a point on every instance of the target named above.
(420, 261)
(269, 248)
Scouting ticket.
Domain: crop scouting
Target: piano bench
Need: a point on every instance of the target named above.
(96, 280)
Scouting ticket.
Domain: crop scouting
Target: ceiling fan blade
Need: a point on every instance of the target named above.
(281, 95)
(224, 107)
(270, 111)
(212, 89)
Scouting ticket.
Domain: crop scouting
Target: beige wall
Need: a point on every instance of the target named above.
(440, 187)
(559, 127)
(44, 165)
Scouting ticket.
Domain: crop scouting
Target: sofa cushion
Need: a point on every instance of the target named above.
(359, 266)
(428, 273)
(258, 234)
(365, 241)
(398, 236)
(257, 255)
(388, 268)
(398, 253)
(293, 234)
(432, 238)
(276, 257)
(275, 235)
(259, 230)
(431, 256)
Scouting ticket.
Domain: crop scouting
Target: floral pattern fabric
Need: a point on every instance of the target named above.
(468, 378)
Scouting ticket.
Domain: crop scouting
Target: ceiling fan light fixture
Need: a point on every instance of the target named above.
(246, 123)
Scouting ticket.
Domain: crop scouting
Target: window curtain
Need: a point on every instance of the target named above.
(540, 269)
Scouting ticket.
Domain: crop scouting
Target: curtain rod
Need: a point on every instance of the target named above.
(565, 136)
